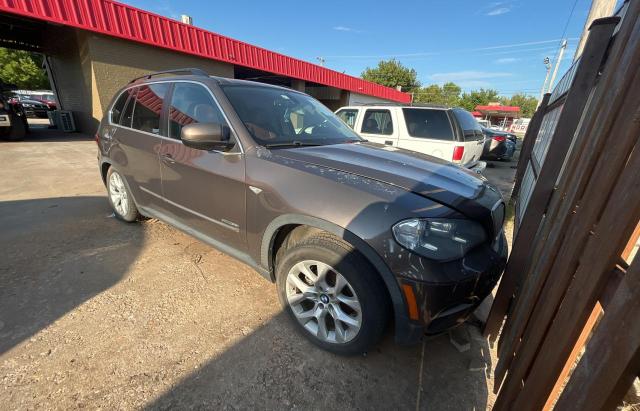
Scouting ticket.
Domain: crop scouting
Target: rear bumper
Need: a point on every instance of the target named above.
(442, 305)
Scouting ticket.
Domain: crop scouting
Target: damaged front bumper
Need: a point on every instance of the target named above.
(439, 296)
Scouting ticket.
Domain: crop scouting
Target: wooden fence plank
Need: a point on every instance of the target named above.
(612, 358)
(571, 113)
(528, 142)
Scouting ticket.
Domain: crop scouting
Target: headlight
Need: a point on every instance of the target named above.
(438, 238)
(27, 105)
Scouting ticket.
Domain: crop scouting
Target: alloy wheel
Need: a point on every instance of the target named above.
(118, 194)
(323, 301)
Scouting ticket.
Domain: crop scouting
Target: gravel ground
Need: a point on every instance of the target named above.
(96, 313)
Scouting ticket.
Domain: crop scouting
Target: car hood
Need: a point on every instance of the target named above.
(421, 174)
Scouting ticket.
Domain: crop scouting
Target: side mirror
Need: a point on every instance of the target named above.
(207, 136)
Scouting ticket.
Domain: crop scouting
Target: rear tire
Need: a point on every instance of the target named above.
(332, 294)
(120, 197)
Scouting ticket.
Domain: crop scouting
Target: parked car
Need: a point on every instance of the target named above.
(33, 107)
(499, 145)
(451, 134)
(352, 232)
(484, 123)
(48, 99)
(13, 120)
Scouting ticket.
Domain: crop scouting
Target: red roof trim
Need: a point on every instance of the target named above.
(514, 109)
(119, 20)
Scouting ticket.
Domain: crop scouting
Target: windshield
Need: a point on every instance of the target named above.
(276, 117)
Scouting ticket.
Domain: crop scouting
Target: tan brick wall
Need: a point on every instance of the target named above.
(115, 62)
(91, 68)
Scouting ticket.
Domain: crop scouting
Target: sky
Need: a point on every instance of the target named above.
(490, 44)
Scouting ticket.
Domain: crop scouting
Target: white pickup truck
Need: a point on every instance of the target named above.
(452, 134)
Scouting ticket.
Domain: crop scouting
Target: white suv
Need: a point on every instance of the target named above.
(452, 134)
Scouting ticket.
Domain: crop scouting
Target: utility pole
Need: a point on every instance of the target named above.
(555, 69)
(599, 8)
(547, 65)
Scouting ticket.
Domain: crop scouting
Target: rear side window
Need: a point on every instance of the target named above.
(118, 107)
(148, 107)
(191, 103)
(377, 122)
(470, 127)
(424, 123)
(348, 116)
(127, 115)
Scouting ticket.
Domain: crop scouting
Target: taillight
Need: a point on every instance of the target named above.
(458, 151)
(499, 138)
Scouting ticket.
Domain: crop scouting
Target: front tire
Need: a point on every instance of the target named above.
(120, 197)
(332, 294)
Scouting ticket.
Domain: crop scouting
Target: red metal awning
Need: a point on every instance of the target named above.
(120, 20)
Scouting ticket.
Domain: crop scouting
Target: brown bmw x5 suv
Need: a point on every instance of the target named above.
(353, 234)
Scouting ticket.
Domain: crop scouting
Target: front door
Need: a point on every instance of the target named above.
(204, 190)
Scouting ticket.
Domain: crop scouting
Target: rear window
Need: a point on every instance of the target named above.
(118, 107)
(148, 107)
(125, 119)
(348, 116)
(470, 127)
(425, 123)
(377, 122)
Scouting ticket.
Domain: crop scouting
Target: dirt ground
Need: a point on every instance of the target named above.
(96, 313)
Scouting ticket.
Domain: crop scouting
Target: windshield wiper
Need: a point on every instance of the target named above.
(295, 143)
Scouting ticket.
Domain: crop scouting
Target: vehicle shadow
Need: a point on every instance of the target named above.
(275, 367)
(43, 273)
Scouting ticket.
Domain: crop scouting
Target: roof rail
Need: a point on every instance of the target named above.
(193, 71)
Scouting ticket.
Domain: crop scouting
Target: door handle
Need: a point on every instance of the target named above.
(168, 158)
(389, 142)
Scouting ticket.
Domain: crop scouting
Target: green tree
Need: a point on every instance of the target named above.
(527, 104)
(392, 73)
(481, 97)
(448, 94)
(22, 69)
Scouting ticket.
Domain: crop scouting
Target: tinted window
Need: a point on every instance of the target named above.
(348, 116)
(426, 123)
(191, 103)
(148, 107)
(377, 122)
(118, 107)
(277, 117)
(127, 115)
(469, 124)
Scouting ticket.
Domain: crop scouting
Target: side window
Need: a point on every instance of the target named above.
(118, 107)
(148, 107)
(191, 103)
(426, 123)
(470, 127)
(127, 115)
(377, 122)
(348, 116)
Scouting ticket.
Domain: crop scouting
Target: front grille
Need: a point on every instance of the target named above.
(497, 215)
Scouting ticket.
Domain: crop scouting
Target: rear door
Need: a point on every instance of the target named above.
(137, 141)
(204, 190)
(472, 135)
(379, 126)
(428, 131)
